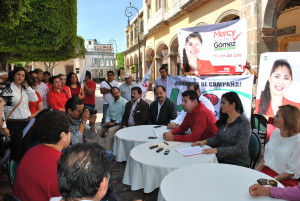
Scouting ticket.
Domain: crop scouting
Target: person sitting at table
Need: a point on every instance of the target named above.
(232, 140)
(192, 86)
(136, 110)
(288, 193)
(113, 118)
(163, 109)
(282, 152)
(199, 119)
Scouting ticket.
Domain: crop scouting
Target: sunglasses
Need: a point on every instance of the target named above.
(264, 182)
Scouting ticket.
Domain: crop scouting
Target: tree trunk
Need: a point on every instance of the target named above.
(49, 66)
(3, 60)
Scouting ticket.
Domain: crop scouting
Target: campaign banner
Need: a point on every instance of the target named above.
(278, 82)
(82, 77)
(213, 87)
(214, 49)
(144, 84)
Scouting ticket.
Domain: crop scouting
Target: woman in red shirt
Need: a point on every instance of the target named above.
(64, 87)
(72, 82)
(56, 97)
(35, 107)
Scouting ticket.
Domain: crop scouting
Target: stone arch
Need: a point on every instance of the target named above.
(174, 58)
(149, 58)
(159, 49)
(228, 16)
(201, 24)
(161, 56)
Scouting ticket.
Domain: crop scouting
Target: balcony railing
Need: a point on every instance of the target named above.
(174, 8)
(157, 18)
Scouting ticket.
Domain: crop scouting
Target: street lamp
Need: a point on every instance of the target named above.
(128, 13)
(111, 41)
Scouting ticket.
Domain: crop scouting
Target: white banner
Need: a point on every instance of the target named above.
(214, 49)
(213, 87)
(82, 77)
(144, 84)
(278, 82)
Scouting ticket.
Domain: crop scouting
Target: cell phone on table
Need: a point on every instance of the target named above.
(157, 126)
(152, 137)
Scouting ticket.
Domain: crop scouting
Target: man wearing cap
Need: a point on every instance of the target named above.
(126, 87)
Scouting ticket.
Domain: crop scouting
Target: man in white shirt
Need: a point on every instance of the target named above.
(195, 87)
(42, 88)
(162, 81)
(105, 89)
(126, 87)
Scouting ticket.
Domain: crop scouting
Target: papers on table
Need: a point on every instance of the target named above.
(168, 144)
(190, 151)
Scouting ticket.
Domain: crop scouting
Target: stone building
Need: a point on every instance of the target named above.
(273, 25)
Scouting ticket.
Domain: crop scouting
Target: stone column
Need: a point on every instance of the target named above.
(172, 63)
(158, 63)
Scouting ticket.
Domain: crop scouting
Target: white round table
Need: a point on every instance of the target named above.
(126, 139)
(145, 168)
(211, 182)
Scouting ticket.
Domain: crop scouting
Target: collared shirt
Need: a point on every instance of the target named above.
(116, 110)
(126, 90)
(131, 115)
(108, 97)
(162, 82)
(43, 89)
(22, 111)
(158, 108)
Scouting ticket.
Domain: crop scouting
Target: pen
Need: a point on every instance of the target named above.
(166, 143)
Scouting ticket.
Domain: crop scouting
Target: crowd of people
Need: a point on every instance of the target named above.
(64, 137)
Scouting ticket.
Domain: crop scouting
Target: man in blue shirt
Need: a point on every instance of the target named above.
(113, 118)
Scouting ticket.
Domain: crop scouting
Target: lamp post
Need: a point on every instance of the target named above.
(111, 41)
(128, 13)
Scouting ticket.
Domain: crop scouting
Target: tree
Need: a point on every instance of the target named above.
(120, 59)
(48, 34)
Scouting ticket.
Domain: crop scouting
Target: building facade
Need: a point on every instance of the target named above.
(99, 58)
(272, 26)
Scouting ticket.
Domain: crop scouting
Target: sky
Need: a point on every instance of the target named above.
(104, 20)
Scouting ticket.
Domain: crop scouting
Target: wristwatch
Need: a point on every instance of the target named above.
(84, 122)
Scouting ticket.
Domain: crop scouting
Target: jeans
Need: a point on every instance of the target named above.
(105, 107)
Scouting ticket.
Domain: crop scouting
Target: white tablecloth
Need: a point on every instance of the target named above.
(211, 182)
(145, 168)
(126, 139)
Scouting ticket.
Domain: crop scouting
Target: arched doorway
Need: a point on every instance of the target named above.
(174, 59)
(161, 57)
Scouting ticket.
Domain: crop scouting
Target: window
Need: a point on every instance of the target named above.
(149, 11)
(131, 37)
(101, 62)
(77, 70)
(90, 42)
(158, 5)
(95, 62)
(141, 27)
(136, 33)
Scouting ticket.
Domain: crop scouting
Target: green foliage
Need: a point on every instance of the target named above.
(49, 34)
(13, 11)
(133, 69)
(120, 59)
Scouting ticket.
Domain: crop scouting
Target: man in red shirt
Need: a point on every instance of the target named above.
(89, 90)
(199, 119)
(36, 177)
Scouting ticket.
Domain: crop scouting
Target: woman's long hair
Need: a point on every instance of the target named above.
(17, 69)
(185, 60)
(291, 119)
(231, 97)
(265, 97)
(68, 80)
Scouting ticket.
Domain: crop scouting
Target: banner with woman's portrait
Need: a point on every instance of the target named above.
(278, 82)
(214, 49)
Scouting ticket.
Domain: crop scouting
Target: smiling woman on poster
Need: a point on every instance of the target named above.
(192, 65)
(272, 96)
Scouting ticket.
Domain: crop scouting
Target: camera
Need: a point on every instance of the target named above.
(6, 92)
(92, 111)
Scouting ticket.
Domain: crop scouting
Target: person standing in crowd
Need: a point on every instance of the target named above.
(136, 110)
(163, 109)
(162, 81)
(105, 89)
(64, 87)
(126, 87)
(73, 83)
(46, 76)
(199, 119)
(56, 97)
(192, 86)
(89, 90)
(232, 140)
(35, 107)
(282, 152)
(83, 173)
(3, 76)
(18, 114)
(42, 88)
(78, 117)
(36, 176)
(113, 118)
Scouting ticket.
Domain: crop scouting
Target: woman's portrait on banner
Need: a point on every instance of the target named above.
(279, 88)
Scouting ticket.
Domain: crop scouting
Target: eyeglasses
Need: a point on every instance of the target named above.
(267, 182)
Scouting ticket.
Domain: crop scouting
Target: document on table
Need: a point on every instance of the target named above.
(190, 151)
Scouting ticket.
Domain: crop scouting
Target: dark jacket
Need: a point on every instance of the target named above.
(166, 114)
(140, 114)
